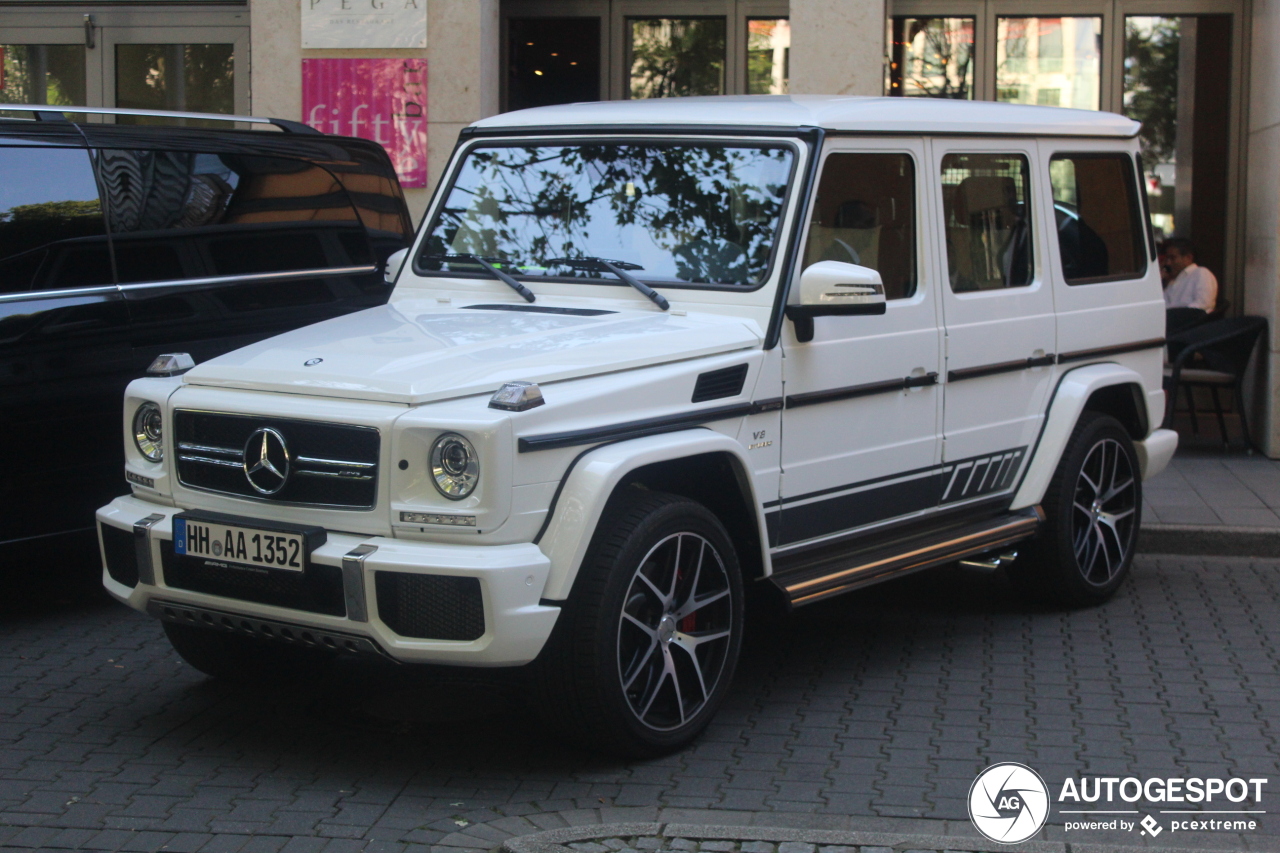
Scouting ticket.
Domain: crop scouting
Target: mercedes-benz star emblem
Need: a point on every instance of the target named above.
(266, 461)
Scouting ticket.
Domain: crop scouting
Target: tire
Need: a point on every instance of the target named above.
(1093, 509)
(235, 658)
(644, 651)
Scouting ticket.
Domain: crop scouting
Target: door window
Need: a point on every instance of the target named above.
(865, 213)
(52, 233)
(1095, 208)
(677, 57)
(42, 74)
(987, 215)
(768, 56)
(177, 214)
(184, 77)
(552, 61)
(931, 57)
(1053, 62)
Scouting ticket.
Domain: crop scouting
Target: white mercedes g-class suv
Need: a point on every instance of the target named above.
(643, 356)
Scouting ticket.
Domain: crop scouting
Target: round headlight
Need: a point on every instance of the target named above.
(455, 468)
(148, 431)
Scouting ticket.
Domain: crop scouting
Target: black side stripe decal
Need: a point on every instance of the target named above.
(1002, 367)
(632, 429)
(809, 398)
(1137, 346)
(892, 496)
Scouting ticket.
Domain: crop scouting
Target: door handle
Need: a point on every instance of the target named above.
(88, 32)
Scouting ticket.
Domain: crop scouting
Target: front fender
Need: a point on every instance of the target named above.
(1069, 400)
(593, 480)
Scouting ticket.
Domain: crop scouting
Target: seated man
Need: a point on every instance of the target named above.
(1193, 286)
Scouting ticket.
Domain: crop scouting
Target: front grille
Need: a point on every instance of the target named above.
(330, 465)
(430, 607)
(121, 554)
(317, 590)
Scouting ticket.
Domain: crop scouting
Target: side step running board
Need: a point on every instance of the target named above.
(828, 574)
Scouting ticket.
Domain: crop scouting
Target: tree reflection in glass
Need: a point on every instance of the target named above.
(685, 213)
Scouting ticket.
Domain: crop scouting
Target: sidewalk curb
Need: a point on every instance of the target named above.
(555, 840)
(1204, 540)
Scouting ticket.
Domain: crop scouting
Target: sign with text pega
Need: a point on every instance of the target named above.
(380, 99)
(364, 23)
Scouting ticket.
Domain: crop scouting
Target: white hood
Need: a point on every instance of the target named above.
(418, 350)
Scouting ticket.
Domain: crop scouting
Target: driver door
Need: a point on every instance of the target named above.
(862, 409)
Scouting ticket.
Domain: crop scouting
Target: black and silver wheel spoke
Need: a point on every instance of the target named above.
(674, 631)
(1103, 511)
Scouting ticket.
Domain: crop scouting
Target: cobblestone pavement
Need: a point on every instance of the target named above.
(879, 705)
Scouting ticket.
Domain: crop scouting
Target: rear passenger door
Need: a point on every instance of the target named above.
(998, 312)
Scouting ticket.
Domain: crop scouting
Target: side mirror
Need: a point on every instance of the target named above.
(394, 263)
(832, 288)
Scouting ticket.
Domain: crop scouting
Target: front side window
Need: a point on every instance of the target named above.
(52, 234)
(680, 213)
(1096, 211)
(865, 214)
(987, 215)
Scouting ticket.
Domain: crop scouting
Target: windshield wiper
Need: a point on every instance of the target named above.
(488, 264)
(618, 268)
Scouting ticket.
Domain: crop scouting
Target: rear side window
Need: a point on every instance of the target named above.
(52, 234)
(180, 214)
(1098, 215)
(987, 215)
(865, 214)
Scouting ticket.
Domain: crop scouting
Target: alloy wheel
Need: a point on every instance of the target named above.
(1104, 511)
(674, 631)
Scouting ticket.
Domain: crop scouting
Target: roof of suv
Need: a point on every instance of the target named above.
(833, 112)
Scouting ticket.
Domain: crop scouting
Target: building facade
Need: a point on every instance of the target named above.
(1198, 73)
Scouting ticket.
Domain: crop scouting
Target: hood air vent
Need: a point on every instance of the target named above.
(726, 382)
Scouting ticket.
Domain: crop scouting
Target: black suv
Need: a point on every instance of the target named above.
(120, 242)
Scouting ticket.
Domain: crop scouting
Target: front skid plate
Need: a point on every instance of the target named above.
(264, 629)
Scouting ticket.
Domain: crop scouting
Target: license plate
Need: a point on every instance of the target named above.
(229, 543)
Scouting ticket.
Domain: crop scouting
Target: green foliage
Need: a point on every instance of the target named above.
(677, 58)
(51, 212)
(1151, 85)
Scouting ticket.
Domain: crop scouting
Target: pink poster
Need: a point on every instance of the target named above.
(380, 99)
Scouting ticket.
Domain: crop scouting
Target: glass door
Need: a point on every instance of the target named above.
(195, 62)
(176, 68)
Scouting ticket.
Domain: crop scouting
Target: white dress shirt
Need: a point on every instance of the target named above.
(1195, 287)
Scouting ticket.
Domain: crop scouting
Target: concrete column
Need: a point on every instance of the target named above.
(837, 47)
(462, 71)
(1262, 217)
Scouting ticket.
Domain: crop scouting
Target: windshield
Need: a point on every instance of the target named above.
(696, 213)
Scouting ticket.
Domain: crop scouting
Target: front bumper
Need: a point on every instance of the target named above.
(510, 578)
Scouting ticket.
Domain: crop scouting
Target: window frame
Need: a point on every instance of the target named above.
(1137, 206)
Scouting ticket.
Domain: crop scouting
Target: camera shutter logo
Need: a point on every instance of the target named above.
(266, 461)
(1008, 802)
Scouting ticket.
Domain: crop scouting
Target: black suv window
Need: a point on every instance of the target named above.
(52, 234)
(987, 214)
(177, 215)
